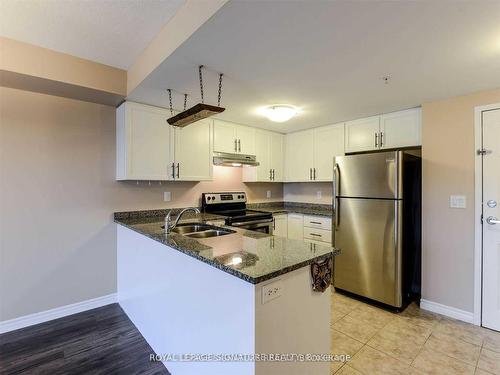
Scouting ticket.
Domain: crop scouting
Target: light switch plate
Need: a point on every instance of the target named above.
(458, 201)
(167, 196)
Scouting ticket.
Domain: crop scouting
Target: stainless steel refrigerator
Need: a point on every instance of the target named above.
(377, 225)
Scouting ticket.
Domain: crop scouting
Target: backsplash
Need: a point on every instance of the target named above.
(307, 192)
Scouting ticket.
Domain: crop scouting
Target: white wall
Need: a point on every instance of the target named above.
(307, 192)
(57, 197)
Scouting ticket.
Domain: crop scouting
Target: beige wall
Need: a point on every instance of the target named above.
(448, 168)
(306, 192)
(57, 196)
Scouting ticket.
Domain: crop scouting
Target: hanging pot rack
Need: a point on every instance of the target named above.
(200, 110)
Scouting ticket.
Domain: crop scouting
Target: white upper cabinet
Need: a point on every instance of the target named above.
(328, 143)
(401, 129)
(193, 151)
(147, 148)
(143, 143)
(388, 131)
(362, 134)
(269, 153)
(310, 153)
(299, 156)
(233, 138)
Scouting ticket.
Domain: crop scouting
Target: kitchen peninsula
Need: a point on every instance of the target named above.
(239, 293)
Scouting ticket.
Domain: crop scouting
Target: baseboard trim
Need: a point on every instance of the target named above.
(58, 312)
(448, 311)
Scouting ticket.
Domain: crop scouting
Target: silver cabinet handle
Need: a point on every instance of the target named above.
(492, 220)
(314, 174)
(310, 173)
(239, 145)
(315, 222)
(336, 189)
(173, 170)
(376, 140)
(381, 139)
(178, 170)
(274, 223)
(235, 145)
(315, 235)
(273, 174)
(270, 175)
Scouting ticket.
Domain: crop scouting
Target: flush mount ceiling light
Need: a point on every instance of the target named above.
(279, 112)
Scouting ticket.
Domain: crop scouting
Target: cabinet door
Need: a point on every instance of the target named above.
(296, 226)
(261, 173)
(246, 140)
(224, 137)
(193, 152)
(299, 156)
(360, 135)
(276, 151)
(143, 143)
(280, 225)
(401, 129)
(328, 143)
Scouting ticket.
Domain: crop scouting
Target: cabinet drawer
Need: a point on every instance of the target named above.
(318, 234)
(319, 222)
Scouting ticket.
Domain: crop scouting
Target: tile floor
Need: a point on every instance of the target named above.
(412, 342)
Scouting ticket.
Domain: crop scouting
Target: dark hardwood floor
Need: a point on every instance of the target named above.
(98, 341)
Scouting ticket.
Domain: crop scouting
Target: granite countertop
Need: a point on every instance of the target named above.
(252, 256)
(293, 207)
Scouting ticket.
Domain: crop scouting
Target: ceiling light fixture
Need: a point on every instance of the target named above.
(280, 112)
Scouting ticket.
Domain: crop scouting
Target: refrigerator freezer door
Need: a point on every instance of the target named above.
(368, 234)
(375, 175)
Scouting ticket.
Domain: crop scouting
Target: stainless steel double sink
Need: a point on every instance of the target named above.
(200, 230)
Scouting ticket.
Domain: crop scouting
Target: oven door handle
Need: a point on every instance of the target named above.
(251, 222)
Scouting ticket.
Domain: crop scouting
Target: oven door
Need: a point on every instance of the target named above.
(263, 226)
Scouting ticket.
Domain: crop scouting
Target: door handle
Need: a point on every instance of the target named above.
(336, 188)
(235, 145)
(310, 173)
(173, 170)
(273, 174)
(492, 220)
(178, 169)
(376, 140)
(270, 174)
(314, 174)
(381, 139)
(274, 223)
(239, 145)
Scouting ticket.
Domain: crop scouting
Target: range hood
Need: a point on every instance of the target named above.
(234, 160)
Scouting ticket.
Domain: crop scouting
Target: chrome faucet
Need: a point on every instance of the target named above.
(168, 221)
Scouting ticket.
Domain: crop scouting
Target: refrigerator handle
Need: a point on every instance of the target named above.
(336, 185)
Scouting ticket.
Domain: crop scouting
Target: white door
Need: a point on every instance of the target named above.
(225, 137)
(362, 134)
(148, 139)
(280, 227)
(401, 129)
(246, 140)
(295, 226)
(262, 149)
(328, 143)
(193, 152)
(491, 223)
(299, 156)
(276, 152)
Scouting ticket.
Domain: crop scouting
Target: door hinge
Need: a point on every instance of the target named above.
(483, 151)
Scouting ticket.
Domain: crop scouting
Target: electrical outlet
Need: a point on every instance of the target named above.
(271, 291)
(318, 194)
(458, 201)
(268, 194)
(167, 196)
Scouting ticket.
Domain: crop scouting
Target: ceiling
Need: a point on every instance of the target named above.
(112, 32)
(330, 57)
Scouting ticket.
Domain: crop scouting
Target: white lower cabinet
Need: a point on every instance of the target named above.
(280, 225)
(295, 226)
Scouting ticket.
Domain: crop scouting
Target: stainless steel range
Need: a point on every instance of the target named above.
(234, 207)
